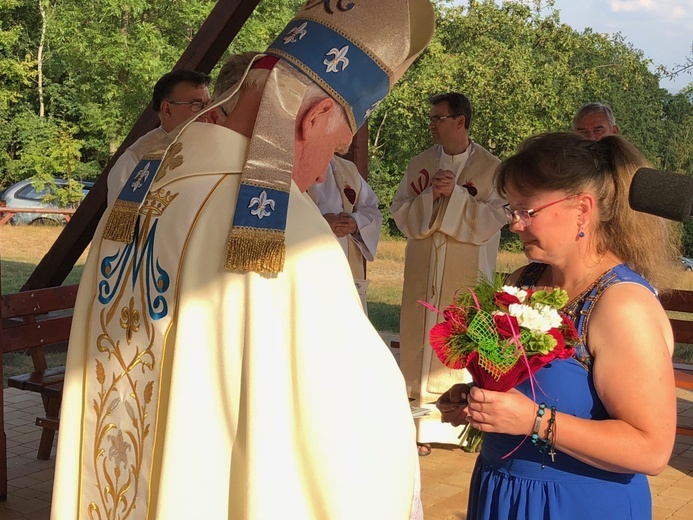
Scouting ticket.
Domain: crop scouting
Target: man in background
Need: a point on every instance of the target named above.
(231, 73)
(594, 121)
(449, 211)
(177, 96)
(350, 207)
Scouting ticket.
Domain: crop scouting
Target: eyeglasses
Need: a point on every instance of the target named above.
(195, 106)
(434, 120)
(524, 216)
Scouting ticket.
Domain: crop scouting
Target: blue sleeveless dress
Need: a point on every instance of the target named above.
(518, 487)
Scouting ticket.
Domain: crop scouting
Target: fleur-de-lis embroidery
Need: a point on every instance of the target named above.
(262, 202)
(339, 58)
(130, 320)
(296, 34)
(373, 107)
(140, 178)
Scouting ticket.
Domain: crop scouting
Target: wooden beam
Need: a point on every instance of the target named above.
(203, 53)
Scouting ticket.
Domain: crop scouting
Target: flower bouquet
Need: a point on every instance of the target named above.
(502, 334)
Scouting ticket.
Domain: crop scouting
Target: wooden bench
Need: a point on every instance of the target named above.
(33, 321)
(681, 301)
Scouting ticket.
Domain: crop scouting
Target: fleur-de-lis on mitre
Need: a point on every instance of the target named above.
(262, 202)
(140, 177)
(373, 107)
(339, 57)
(296, 33)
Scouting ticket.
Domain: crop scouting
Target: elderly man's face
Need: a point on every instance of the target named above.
(595, 126)
(316, 143)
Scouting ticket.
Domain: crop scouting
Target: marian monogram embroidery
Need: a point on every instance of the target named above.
(327, 4)
(262, 202)
(134, 300)
(339, 59)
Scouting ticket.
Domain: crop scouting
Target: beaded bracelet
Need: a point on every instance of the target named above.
(549, 440)
(537, 424)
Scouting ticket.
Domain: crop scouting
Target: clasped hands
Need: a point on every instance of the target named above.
(508, 412)
(342, 224)
(443, 183)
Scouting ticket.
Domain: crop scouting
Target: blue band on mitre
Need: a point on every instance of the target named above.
(261, 208)
(335, 63)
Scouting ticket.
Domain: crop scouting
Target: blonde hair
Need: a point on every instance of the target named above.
(567, 162)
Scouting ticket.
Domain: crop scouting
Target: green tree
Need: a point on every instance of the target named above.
(525, 72)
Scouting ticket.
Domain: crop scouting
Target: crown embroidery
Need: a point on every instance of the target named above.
(156, 202)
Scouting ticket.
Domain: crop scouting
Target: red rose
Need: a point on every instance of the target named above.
(504, 299)
(506, 325)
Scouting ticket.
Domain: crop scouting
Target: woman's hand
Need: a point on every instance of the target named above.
(452, 405)
(508, 412)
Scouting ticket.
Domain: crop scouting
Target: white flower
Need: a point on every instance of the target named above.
(520, 294)
(539, 319)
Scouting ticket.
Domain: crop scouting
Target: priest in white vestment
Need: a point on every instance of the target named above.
(176, 97)
(220, 365)
(449, 211)
(350, 207)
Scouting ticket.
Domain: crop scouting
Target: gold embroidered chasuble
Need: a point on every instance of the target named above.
(450, 242)
(195, 392)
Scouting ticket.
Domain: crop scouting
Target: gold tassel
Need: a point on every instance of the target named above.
(122, 221)
(259, 251)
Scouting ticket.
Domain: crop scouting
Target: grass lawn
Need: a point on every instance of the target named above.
(23, 247)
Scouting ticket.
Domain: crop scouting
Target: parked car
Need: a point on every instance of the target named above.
(24, 195)
(687, 263)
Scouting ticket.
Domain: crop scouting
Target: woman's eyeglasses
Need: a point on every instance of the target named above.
(524, 216)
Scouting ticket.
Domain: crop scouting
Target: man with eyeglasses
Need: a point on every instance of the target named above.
(450, 213)
(177, 97)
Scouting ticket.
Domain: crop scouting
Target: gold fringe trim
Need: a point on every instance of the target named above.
(122, 221)
(261, 251)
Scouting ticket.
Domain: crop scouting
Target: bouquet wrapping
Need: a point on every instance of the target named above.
(503, 334)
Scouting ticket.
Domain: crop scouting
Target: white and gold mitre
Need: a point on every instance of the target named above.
(356, 49)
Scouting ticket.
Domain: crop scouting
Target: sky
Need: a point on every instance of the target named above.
(662, 29)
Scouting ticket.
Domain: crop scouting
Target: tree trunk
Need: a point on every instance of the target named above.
(39, 58)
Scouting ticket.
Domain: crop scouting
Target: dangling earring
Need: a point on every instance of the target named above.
(581, 233)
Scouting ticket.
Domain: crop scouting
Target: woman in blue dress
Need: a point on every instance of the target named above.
(579, 443)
